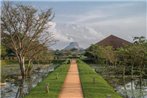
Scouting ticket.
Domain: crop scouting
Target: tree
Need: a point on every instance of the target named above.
(141, 58)
(133, 57)
(122, 64)
(23, 27)
(109, 54)
(44, 55)
(100, 53)
(94, 52)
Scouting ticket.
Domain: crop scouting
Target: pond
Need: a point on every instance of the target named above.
(136, 91)
(106, 71)
(10, 89)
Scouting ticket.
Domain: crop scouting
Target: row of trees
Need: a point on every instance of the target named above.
(131, 60)
(45, 56)
(25, 31)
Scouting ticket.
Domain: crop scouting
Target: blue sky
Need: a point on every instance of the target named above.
(67, 12)
(125, 19)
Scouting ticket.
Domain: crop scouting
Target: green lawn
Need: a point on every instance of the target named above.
(99, 89)
(54, 84)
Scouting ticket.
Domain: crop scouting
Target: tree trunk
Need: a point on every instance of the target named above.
(140, 82)
(124, 82)
(132, 77)
(22, 67)
(29, 68)
(30, 84)
(20, 92)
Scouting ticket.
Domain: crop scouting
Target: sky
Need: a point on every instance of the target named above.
(88, 22)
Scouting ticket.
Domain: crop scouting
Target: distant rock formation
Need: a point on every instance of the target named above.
(72, 45)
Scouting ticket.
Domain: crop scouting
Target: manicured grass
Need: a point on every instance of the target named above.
(99, 89)
(54, 84)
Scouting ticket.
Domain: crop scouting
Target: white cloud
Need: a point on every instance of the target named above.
(125, 20)
(67, 33)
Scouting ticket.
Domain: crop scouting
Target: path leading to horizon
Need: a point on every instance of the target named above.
(72, 86)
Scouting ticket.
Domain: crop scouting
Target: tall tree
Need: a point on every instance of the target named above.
(23, 26)
(141, 59)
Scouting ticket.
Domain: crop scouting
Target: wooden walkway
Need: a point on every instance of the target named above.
(72, 86)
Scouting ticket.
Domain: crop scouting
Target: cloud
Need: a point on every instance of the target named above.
(126, 28)
(66, 33)
(125, 19)
(58, 36)
(88, 22)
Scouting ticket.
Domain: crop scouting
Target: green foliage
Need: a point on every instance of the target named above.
(2, 50)
(67, 61)
(8, 62)
(100, 53)
(134, 55)
(109, 54)
(57, 61)
(55, 84)
(99, 89)
(44, 56)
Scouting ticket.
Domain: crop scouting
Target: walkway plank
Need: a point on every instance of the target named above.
(72, 86)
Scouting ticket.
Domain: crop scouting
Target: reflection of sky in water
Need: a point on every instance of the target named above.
(145, 96)
(129, 92)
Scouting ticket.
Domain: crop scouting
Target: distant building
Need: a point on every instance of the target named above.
(113, 41)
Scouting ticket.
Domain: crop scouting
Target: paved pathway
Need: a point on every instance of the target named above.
(72, 86)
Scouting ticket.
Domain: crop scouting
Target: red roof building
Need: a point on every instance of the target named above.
(113, 41)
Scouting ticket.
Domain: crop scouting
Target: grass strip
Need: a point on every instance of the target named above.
(93, 85)
(55, 84)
